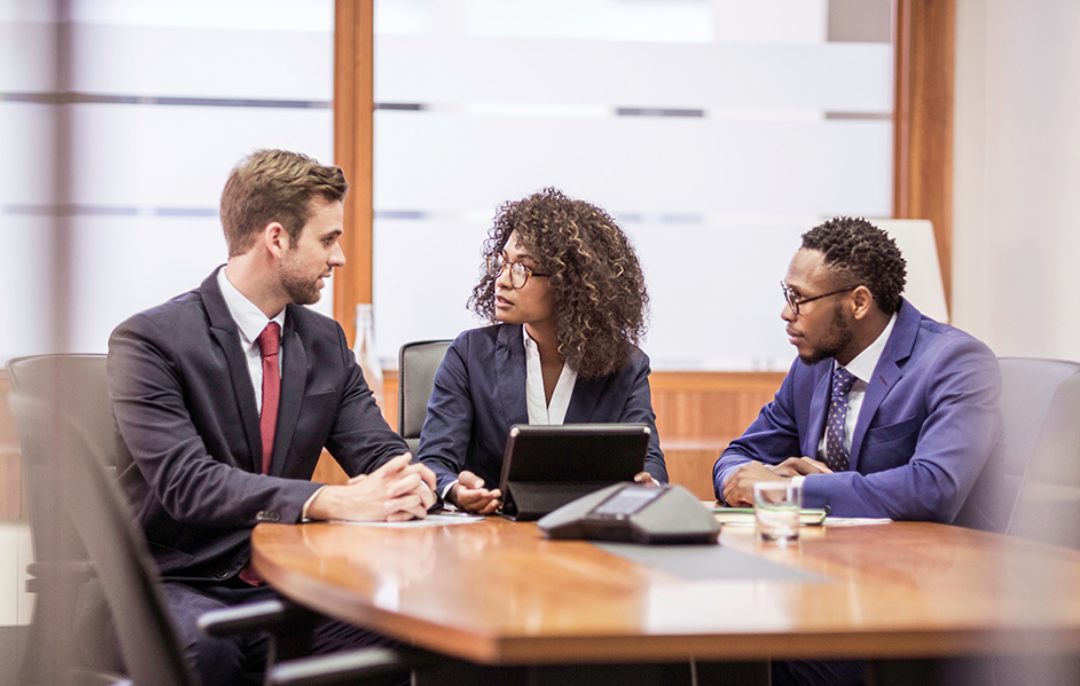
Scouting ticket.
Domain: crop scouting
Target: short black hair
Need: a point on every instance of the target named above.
(859, 253)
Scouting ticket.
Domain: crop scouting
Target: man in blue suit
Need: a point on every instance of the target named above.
(912, 433)
(885, 413)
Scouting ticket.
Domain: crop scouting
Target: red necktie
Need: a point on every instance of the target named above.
(269, 344)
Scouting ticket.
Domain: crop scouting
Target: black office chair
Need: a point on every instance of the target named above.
(417, 364)
(148, 641)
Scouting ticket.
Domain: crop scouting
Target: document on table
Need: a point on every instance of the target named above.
(440, 519)
(856, 521)
(744, 516)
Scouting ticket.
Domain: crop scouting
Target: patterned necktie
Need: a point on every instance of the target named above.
(269, 344)
(836, 455)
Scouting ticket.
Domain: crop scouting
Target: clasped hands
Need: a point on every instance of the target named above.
(395, 492)
(739, 488)
(470, 495)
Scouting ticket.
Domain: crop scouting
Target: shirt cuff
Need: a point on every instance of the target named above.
(447, 505)
(798, 481)
(303, 512)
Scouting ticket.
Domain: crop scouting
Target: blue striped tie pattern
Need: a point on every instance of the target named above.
(836, 455)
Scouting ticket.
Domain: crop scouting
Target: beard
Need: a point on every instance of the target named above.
(840, 337)
(302, 290)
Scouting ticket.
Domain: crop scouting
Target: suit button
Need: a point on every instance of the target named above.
(267, 516)
(221, 573)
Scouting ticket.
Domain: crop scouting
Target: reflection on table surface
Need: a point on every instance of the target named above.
(498, 592)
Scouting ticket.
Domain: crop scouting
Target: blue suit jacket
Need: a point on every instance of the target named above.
(930, 420)
(480, 393)
(190, 450)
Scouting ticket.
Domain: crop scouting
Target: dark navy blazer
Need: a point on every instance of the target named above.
(930, 420)
(189, 453)
(480, 393)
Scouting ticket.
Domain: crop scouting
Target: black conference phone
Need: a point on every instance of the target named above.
(632, 513)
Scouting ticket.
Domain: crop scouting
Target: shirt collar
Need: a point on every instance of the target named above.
(862, 367)
(249, 319)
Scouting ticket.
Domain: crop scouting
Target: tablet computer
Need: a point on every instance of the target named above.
(545, 467)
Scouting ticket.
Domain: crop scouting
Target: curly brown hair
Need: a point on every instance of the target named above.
(600, 296)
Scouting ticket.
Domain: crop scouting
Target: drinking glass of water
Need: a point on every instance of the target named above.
(777, 506)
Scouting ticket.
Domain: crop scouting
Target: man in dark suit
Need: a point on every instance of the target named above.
(226, 396)
(885, 413)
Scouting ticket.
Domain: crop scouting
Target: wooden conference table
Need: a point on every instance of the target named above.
(498, 593)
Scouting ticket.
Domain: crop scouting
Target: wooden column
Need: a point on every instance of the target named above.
(925, 39)
(354, 109)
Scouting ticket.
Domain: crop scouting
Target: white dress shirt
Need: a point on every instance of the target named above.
(251, 321)
(540, 411)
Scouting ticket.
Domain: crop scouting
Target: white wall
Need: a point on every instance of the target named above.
(1017, 175)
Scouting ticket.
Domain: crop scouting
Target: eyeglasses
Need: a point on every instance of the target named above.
(519, 273)
(794, 301)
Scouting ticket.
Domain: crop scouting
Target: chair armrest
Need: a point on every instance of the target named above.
(349, 667)
(245, 619)
(43, 573)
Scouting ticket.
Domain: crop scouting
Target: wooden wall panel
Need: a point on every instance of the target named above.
(925, 44)
(697, 415)
(354, 114)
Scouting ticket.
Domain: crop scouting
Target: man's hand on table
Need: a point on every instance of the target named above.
(739, 488)
(799, 466)
(395, 492)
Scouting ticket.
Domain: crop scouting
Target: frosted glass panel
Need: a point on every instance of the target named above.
(179, 157)
(819, 77)
(424, 273)
(162, 99)
(204, 62)
(633, 165)
(27, 146)
(715, 131)
(127, 264)
(26, 263)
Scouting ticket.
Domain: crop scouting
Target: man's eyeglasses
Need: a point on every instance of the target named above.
(794, 300)
(519, 273)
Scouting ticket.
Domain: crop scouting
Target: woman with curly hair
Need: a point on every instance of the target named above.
(565, 287)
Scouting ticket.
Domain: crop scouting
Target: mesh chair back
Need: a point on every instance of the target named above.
(130, 582)
(417, 364)
(1041, 413)
(60, 570)
(78, 383)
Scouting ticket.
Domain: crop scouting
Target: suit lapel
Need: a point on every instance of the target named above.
(225, 332)
(293, 379)
(887, 372)
(583, 400)
(510, 374)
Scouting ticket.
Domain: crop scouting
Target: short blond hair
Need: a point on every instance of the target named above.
(275, 185)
